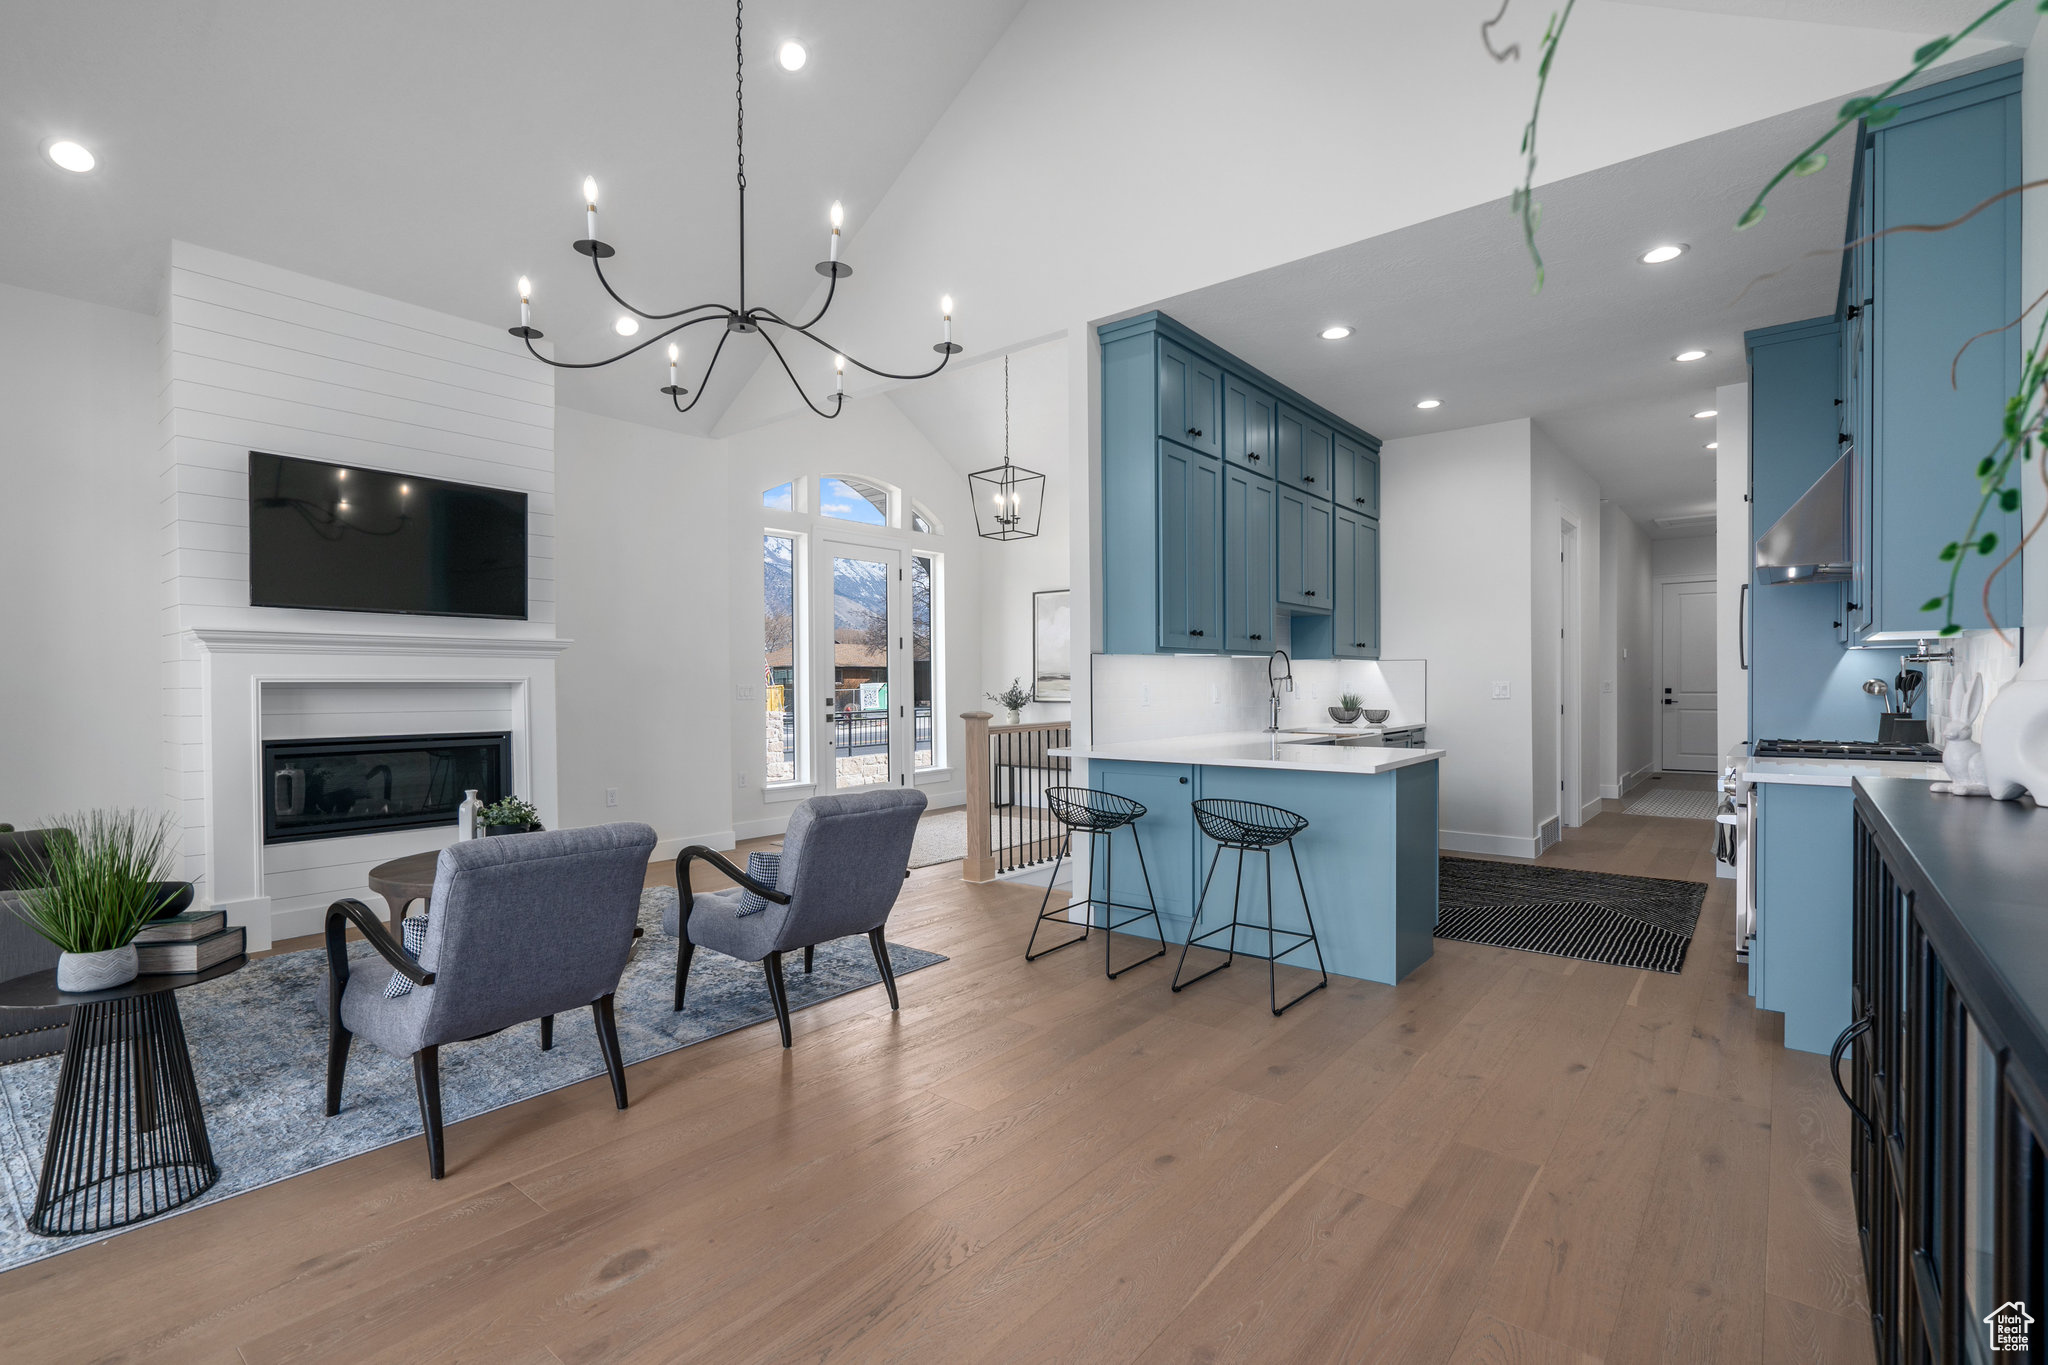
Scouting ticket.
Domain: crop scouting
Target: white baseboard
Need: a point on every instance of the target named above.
(1500, 845)
(665, 850)
(1589, 810)
(254, 915)
(760, 829)
(1039, 874)
(1630, 781)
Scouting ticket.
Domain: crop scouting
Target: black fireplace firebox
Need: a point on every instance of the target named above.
(327, 788)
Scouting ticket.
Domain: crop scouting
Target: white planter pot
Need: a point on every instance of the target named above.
(79, 972)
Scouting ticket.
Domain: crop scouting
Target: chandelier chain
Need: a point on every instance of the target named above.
(739, 91)
(1006, 409)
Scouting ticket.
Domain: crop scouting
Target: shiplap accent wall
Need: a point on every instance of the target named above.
(260, 358)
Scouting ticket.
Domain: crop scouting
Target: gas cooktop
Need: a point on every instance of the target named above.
(1846, 748)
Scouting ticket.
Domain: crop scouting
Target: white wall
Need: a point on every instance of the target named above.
(1733, 556)
(1058, 187)
(79, 678)
(1561, 490)
(1626, 754)
(648, 592)
(2033, 281)
(1682, 557)
(875, 440)
(1454, 555)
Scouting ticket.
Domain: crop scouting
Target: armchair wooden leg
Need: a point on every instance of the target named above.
(881, 947)
(778, 993)
(685, 950)
(426, 1075)
(608, 1043)
(809, 948)
(338, 1040)
(547, 1033)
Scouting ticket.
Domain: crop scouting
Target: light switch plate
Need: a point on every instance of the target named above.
(1607, 686)
(1502, 691)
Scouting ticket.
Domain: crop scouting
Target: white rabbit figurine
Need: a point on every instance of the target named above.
(1962, 756)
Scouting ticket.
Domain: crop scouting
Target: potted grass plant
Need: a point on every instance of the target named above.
(1011, 699)
(1347, 709)
(101, 875)
(513, 815)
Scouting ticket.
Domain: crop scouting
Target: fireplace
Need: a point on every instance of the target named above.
(328, 788)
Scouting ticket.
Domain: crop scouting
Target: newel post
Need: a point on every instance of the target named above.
(980, 863)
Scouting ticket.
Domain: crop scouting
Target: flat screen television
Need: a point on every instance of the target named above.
(343, 538)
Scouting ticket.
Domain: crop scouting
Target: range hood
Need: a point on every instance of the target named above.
(1810, 543)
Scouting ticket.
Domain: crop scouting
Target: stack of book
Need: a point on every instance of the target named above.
(190, 942)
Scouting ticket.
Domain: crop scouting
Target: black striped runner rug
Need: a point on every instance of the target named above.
(1640, 922)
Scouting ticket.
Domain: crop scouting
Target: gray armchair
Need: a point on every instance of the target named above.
(28, 1033)
(522, 927)
(844, 859)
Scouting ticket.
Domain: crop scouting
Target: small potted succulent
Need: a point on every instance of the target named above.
(1347, 709)
(513, 815)
(1011, 699)
(101, 876)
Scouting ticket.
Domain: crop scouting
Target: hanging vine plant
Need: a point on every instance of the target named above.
(1999, 472)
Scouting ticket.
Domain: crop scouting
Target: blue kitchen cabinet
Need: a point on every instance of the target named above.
(1800, 963)
(1248, 424)
(1305, 447)
(1190, 549)
(1248, 561)
(1355, 480)
(1194, 558)
(1951, 147)
(1166, 832)
(1355, 581)
(1302, 581)
(1190, 399)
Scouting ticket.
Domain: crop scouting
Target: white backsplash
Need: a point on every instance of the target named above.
(1977, 651)
(1165, 696)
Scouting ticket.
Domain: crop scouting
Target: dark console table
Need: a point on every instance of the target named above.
(1948, 1072)
(127, 1136)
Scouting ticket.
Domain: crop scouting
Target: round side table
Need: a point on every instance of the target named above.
(405, 880)
(127, 1136)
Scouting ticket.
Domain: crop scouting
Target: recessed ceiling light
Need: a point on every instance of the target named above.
(626, 326)
(1713, 445)
(1337, 333)
(792, 56)
(1708, 412)
(1658, 255)
(1430, 403)
(69, 155)
(1683, 356)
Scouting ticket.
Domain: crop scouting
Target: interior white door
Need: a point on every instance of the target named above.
(1686, 702)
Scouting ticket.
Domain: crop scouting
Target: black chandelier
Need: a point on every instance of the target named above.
(1009, 500)
(736, 319)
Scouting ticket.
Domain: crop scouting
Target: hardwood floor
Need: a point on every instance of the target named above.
(1507, 1158)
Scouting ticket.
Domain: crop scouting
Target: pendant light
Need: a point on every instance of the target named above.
(1009, 500)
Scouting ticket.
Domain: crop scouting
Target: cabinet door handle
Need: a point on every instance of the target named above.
(1254, 454)
(1194, 431)
(1742, 627)
(1308, 478)
(1183, 781)
(1358, 500)
(1848, 1036)
(1258, 637)
(1308, 592)
(1194, 632)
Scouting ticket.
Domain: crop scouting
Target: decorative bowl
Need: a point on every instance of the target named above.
(173, 898)
(1375, 717)
(1342, 716)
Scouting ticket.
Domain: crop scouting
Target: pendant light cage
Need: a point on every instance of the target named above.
(1009, 500)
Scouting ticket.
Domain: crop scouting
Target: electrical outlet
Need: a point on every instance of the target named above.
(1502, 691)
(739, 779)
(743, 692)
(1215, 694)
(1608, 686)
(1144, 694)
(611, 796)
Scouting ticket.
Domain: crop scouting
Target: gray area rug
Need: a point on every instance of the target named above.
(941, 838)
(1641, 922)
(1674, 803)
(259, 1050)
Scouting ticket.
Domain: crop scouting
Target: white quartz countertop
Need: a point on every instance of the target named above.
(1836, 772)
(1289, 750)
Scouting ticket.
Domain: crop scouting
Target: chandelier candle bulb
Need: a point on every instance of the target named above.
(590, 207)
(838, 217)
(525, 303)
(838, 372)
(674, 354)
(946, 309)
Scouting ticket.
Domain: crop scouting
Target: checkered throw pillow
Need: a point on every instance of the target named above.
(414, 934)
(763, 868)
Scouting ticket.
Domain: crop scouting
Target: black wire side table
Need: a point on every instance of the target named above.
(127, 1136)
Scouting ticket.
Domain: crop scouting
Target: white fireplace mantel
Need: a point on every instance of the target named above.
(219, 641)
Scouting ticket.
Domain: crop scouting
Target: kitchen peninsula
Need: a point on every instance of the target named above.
(1368, 857)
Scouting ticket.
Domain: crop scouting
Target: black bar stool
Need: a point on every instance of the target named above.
(1103, 813)
(1250, 827)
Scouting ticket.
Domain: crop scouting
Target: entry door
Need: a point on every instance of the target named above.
(1685, 683)
(863, 676)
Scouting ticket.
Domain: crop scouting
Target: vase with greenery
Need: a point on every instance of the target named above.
(99, 875)
(1347, 709)
(512, 815)
(1011, 699)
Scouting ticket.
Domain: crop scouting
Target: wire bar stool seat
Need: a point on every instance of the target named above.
(1099, 813)
(1251, 827)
